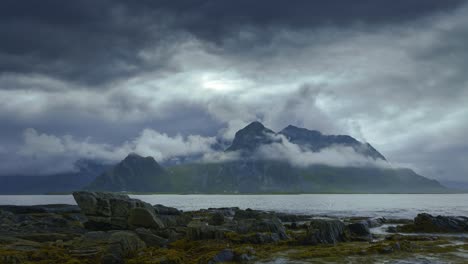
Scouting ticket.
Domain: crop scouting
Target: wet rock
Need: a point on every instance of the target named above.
(216, 219)
(150, 238)
(392, 229)
(438, 224)
(83, 253)
(46, 237)
(125, 244)
(226, 255)
(292, 217)
(226, 211)
(243, 258)
(7, 218)
(326, 232)
(271, 225)
(248, 214)
(359, 231)
(261, 238)
(166, 210)
(172, 234)
(197, 230)
(96, 235)
(143, 217)
(175, 220)
(375, 222)
(107, 211)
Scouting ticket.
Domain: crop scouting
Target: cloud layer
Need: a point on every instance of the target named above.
(388, 72)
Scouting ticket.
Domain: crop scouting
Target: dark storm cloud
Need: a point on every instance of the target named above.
(96, 42)
(85, 41)
(214, 19)
(103, 78)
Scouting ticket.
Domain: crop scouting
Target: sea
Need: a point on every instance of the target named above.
(335, 205)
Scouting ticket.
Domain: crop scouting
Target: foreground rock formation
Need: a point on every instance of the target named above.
(113, 228)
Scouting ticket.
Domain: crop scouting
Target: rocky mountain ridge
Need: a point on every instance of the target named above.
(252, 174)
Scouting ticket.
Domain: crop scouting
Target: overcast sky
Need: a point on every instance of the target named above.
(101, 78)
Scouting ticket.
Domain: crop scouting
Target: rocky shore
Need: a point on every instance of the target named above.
(113, 228)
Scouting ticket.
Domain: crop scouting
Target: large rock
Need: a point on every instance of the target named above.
(321, 231)
(360, 230)
(438, 224)
(106, 211)
(144, 217)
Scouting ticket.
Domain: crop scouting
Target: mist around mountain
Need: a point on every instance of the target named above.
(85, 172)
(456, 185)
(259, 160)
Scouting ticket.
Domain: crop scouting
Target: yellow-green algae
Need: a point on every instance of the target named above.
(186, 251)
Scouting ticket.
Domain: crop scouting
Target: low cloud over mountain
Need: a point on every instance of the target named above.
(102, 78)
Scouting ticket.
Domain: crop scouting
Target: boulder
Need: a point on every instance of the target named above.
(322, 231)
(143, 217)
(438, 224)
(360, 230)
(107, 211)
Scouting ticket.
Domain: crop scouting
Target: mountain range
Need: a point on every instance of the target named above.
(258, 160)
(251, 172)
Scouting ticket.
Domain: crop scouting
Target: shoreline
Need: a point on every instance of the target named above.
(260, 193)
(114, 228)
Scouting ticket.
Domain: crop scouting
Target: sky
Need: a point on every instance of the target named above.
(100, 79)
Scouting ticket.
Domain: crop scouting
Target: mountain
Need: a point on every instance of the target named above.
(135, 173)
(251, 137)
(253, 174)
(315, 141)
(86, 171)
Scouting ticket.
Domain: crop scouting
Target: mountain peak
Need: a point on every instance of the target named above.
(132, 173)
(131, 157)
(251, 136)
(254, 126)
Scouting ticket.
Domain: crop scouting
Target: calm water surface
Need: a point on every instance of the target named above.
(386, 205)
